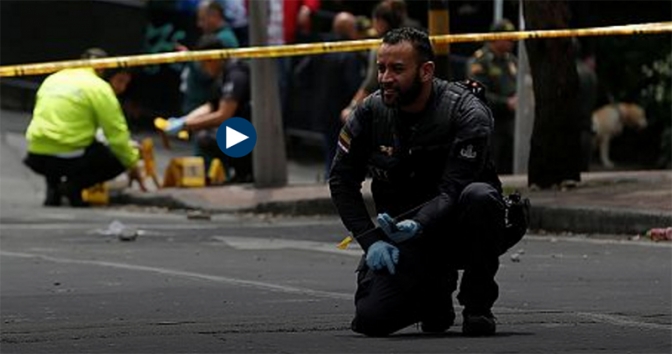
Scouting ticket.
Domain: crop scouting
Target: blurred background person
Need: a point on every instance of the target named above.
(495, 66)
(236, 15)
(232, 99)
(70, 107)
(587, 100)
(342, 74)
(387, 15)
(197, 86)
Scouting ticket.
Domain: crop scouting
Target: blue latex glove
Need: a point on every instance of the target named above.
(175, 125)
(398, 232)
(382, 255)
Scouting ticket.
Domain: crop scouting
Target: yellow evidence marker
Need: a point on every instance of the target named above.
(344, 244)
(185, 172)
(98, 194)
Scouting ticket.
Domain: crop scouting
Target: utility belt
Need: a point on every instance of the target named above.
(516, 220)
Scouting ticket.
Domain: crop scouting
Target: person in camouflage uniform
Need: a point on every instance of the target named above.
(496, 68)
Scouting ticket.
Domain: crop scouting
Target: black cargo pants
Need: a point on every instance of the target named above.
(98, 164)
(427, 272)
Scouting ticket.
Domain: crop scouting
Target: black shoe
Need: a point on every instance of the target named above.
(439, 324)
(75, 199)
(53, 197)
(478, 324)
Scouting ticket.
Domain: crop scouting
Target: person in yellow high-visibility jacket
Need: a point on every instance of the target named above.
(71, 105)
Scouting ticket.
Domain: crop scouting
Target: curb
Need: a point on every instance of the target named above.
(303, 207)
(581, 220)
(593, 220)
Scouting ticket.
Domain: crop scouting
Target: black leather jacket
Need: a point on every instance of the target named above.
(414, 159)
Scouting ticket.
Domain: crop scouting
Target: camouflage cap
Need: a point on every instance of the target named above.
(503, 25)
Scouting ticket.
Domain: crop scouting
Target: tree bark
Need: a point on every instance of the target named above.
(555, 147)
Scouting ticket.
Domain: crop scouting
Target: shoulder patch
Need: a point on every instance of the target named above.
(344, 139)
(351, 128)
(476, 68)
(472, 150)
(476, 88)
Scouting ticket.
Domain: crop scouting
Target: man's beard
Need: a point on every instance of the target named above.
(407, 96)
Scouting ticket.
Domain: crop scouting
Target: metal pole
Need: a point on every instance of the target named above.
(269, 158)
(439, 24)
(498, 11)
(525, 110)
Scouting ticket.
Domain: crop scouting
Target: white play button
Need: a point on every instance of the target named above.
(234, 137)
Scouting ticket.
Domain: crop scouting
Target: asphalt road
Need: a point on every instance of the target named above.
(257, 284)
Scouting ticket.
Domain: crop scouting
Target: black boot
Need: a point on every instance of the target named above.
(53, 197)
(74, 195)
(478, 323)
(438, 325)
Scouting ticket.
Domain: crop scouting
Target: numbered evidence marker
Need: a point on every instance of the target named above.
(185, 172)
(236, 137)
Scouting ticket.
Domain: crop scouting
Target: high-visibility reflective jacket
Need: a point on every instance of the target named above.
(70, 106)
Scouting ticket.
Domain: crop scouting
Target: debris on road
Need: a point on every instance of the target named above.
(121, 231)
(198, 215)
(660, 234)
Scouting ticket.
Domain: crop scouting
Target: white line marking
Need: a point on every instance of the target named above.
(190, 275)
(599, 241)
(95, 226)
(256, 243)
(621, 321)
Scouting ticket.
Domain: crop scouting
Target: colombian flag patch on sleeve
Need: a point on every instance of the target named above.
(344, 139)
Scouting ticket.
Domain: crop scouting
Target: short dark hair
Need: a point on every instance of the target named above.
(210, 42)
(418, 39)
(94, 53)
(106, 74)
(389, 13)
(213, 6)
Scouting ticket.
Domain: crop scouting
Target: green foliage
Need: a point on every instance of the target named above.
(639, 69)
(657, 98)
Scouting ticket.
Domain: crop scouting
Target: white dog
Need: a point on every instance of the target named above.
(608, 122)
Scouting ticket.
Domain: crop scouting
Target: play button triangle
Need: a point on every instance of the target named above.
(234, 137)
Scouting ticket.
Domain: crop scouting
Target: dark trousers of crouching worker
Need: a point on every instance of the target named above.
(426, 275)
(71, 175)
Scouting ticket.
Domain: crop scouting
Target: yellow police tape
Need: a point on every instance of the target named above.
(320, 48)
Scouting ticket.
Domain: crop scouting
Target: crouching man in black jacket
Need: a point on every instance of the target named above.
(425, 144)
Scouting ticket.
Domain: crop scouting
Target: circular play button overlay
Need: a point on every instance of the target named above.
(236, 137)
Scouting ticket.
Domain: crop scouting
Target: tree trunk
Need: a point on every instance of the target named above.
(555, 151)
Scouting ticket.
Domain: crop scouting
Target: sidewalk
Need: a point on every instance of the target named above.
(629, 202)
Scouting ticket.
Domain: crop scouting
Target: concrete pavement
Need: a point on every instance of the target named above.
(604, 203)
(618, 202)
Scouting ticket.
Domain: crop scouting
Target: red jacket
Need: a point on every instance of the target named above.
(290, 12)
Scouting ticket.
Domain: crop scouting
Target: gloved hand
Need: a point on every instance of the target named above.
(398, 232)
(175, 125)
(382, 254)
